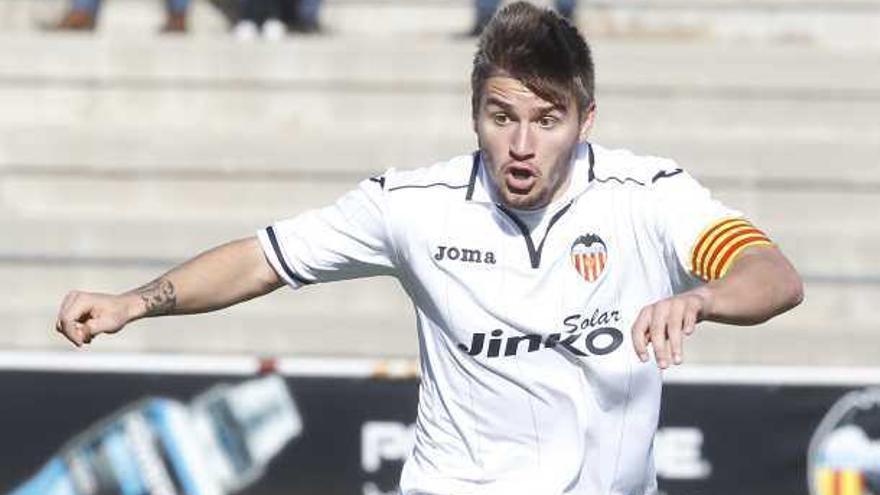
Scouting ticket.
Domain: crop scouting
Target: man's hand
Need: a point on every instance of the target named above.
(665, 324)
(220, 277)
(83, 315)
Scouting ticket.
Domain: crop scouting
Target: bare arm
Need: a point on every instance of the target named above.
(760, 285)
(223, 276)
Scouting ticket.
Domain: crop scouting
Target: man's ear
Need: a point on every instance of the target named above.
(587, 123)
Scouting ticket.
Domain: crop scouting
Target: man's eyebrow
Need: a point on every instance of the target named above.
(542, 110)
(550, 108)
(491, 100)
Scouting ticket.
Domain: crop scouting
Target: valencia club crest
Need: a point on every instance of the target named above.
(589, 255)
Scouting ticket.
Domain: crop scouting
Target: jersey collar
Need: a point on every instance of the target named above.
(481, 188)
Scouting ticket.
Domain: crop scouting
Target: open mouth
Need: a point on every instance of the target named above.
(520, 178)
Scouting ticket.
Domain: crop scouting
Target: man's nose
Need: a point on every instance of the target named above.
(522, 146)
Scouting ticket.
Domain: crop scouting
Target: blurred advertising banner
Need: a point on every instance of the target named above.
(99, 424)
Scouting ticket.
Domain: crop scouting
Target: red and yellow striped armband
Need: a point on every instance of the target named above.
(719, 245)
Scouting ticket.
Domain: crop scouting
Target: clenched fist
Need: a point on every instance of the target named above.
(83, 315)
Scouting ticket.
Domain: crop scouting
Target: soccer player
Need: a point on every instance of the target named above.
(542, 268)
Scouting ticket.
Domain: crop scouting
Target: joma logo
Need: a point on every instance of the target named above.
(464, 254)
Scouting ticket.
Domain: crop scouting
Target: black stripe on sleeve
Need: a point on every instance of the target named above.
(270, 231)
(623, 180)
(379, 179)
(664, 174)
(592, 174)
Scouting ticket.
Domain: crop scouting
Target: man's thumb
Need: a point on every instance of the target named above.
(84, 333)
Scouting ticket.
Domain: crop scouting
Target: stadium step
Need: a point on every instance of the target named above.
(667, 68)
(766, 112)
(830, 161)
(842, 22)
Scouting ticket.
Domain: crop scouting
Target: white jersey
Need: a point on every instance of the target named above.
(530, 384)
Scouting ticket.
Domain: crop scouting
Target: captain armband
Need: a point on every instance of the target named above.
(718, 246)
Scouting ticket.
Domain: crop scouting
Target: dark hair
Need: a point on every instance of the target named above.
(538, 47)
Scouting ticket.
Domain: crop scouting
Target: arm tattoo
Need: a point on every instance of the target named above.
(158, 296)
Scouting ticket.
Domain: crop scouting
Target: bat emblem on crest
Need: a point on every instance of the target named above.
(589, 255)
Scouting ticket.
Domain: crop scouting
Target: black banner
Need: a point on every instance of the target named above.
(713, 439)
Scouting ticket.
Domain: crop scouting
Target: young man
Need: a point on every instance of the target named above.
(540, 267)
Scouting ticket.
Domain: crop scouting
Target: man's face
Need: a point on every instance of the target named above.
(527, 142)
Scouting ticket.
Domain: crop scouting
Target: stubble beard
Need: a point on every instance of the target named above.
(532, 200)
(542, 192)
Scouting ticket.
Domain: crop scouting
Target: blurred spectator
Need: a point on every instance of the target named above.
(258, 16)
(83, 16)
(272, 17)
(301, 16)
(486, 8)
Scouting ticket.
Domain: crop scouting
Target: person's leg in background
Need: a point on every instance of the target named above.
(307, 20)
(257, 16)
(289, 13)
(82, 16)
(273, 28)
(485, 10)
(175, 21)
(566, 8)
(90, 6)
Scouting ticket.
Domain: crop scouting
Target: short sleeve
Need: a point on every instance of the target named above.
(704, 235)
(349, 239)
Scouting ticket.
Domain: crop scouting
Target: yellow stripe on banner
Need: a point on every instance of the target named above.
(718, 241)
(722, 271)
(706, 237)
(825, 481)
(851, 482)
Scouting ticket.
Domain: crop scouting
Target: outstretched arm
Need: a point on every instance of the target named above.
(223, 276)
(760, 285)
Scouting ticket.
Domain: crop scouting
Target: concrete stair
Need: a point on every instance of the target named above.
(757, 112)
(850, 23)
(123, 153)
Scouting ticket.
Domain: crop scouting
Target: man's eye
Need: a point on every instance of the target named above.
(547, 121)
(501, 118)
